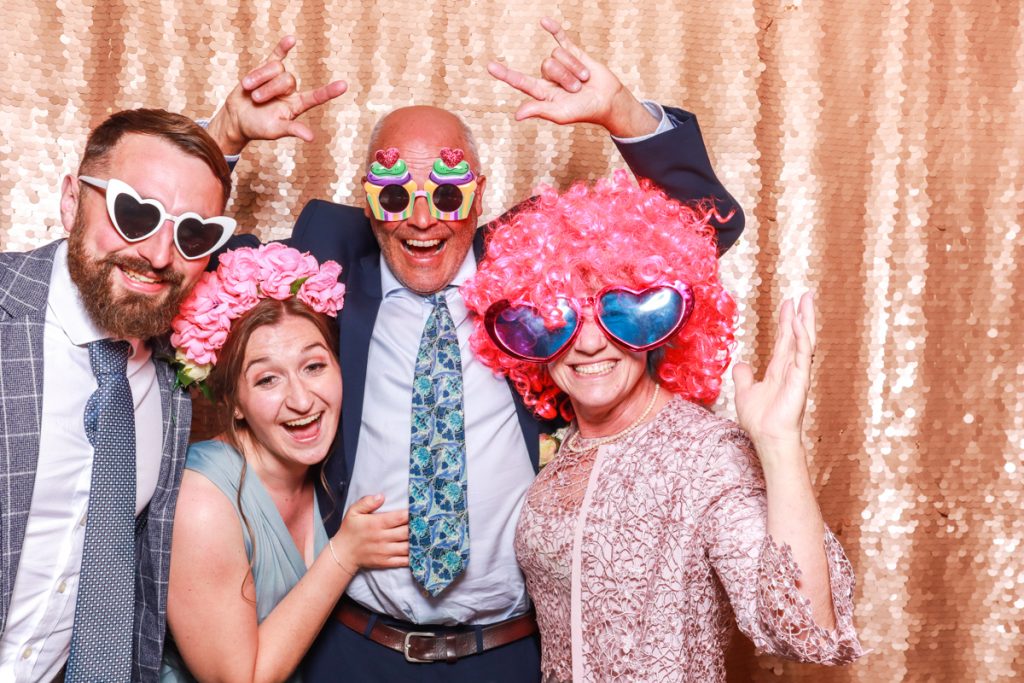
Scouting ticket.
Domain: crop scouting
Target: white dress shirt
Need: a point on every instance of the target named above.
(37, 639)
(498, 466)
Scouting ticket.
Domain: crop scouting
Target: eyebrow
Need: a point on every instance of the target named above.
(264, 359)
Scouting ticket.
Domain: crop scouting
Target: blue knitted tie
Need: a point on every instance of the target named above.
(438, 517)
(101, 640)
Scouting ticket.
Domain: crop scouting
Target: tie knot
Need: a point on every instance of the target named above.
(109, 357)
(437, 299)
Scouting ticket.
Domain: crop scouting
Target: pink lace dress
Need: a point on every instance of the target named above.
(642, 554)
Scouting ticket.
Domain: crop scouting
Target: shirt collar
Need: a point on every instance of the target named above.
(65, 303)
(390, 285)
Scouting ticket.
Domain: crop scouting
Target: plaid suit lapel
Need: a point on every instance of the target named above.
(24, 287)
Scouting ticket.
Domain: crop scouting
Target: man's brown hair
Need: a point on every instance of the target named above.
(180, 131)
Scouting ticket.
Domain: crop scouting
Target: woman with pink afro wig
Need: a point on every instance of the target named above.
(615, 233)
(656, 525)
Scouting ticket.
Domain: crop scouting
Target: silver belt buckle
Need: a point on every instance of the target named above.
(405, 646)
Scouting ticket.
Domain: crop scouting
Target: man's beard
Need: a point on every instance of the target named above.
(131, 315)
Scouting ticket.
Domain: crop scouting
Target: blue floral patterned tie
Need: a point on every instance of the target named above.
(101, 639)
(438, 517)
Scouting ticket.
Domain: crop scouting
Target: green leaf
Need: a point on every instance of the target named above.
(181, 379)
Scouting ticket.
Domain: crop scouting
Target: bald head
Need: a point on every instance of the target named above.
(423, 250)
(410, 122)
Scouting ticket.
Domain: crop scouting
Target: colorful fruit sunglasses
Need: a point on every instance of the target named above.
(136, 219)
(391, 191)
(639, 320)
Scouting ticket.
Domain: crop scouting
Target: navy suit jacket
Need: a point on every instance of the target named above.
(676, 160)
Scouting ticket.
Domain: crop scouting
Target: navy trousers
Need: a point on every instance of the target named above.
(341, 655)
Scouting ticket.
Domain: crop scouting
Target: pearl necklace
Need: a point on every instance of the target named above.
(577, 444)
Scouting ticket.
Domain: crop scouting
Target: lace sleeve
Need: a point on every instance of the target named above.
(784, 614)
(760, 576)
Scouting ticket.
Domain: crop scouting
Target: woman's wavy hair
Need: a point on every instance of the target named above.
(611, 233)
(227, 372)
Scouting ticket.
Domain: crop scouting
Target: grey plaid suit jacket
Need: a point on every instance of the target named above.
(24, 286)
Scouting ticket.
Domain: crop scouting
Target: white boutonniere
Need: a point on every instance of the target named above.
(550, 443)
(188, 373)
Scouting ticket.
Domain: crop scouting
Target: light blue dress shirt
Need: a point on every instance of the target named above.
(499, 470)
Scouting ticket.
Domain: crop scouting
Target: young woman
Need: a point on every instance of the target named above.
(253, 573)
(657, 525)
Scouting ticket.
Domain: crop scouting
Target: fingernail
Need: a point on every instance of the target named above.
(584, 74)
(576, 87)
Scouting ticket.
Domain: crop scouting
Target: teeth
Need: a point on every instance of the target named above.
(423, 243)
(139, 277)
(595, 368)
(301, 422)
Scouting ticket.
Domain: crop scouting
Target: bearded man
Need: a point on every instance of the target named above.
(92, 427)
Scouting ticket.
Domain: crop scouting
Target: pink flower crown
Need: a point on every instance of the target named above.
(244, 276)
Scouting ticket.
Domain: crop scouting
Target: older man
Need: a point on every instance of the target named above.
(423, 421)
(93, 429)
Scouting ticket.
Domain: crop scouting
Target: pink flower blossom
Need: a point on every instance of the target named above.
(240, 274)
(280, 267)
(198, 344)
(322, 292)
(245, 276)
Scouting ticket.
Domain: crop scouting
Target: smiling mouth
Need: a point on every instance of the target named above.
(304, 428)
(591, 369)
(136, 276)
(303, 421)
(423, 247)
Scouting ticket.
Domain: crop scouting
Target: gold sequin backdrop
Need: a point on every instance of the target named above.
(875, 145)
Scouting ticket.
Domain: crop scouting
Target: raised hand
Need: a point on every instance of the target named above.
(266, 104)
(772, 410)
(372, 540)
(575, 88)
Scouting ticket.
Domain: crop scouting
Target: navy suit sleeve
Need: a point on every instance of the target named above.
(677, 161)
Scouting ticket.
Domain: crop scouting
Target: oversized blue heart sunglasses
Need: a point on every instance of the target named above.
(639, 320)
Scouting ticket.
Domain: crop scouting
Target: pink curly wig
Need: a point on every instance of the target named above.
(613, 233)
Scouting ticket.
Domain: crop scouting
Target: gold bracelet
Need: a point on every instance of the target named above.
(330, 544)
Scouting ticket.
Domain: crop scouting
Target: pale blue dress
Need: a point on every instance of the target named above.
(278, 565)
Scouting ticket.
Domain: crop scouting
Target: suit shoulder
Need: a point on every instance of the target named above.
(326, 210)
(333, 231)
(319, 214)
(13, 260)
(25, 279)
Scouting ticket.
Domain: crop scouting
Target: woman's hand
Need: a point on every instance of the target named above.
(772, 410)
(372, 540)
(772, 413)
